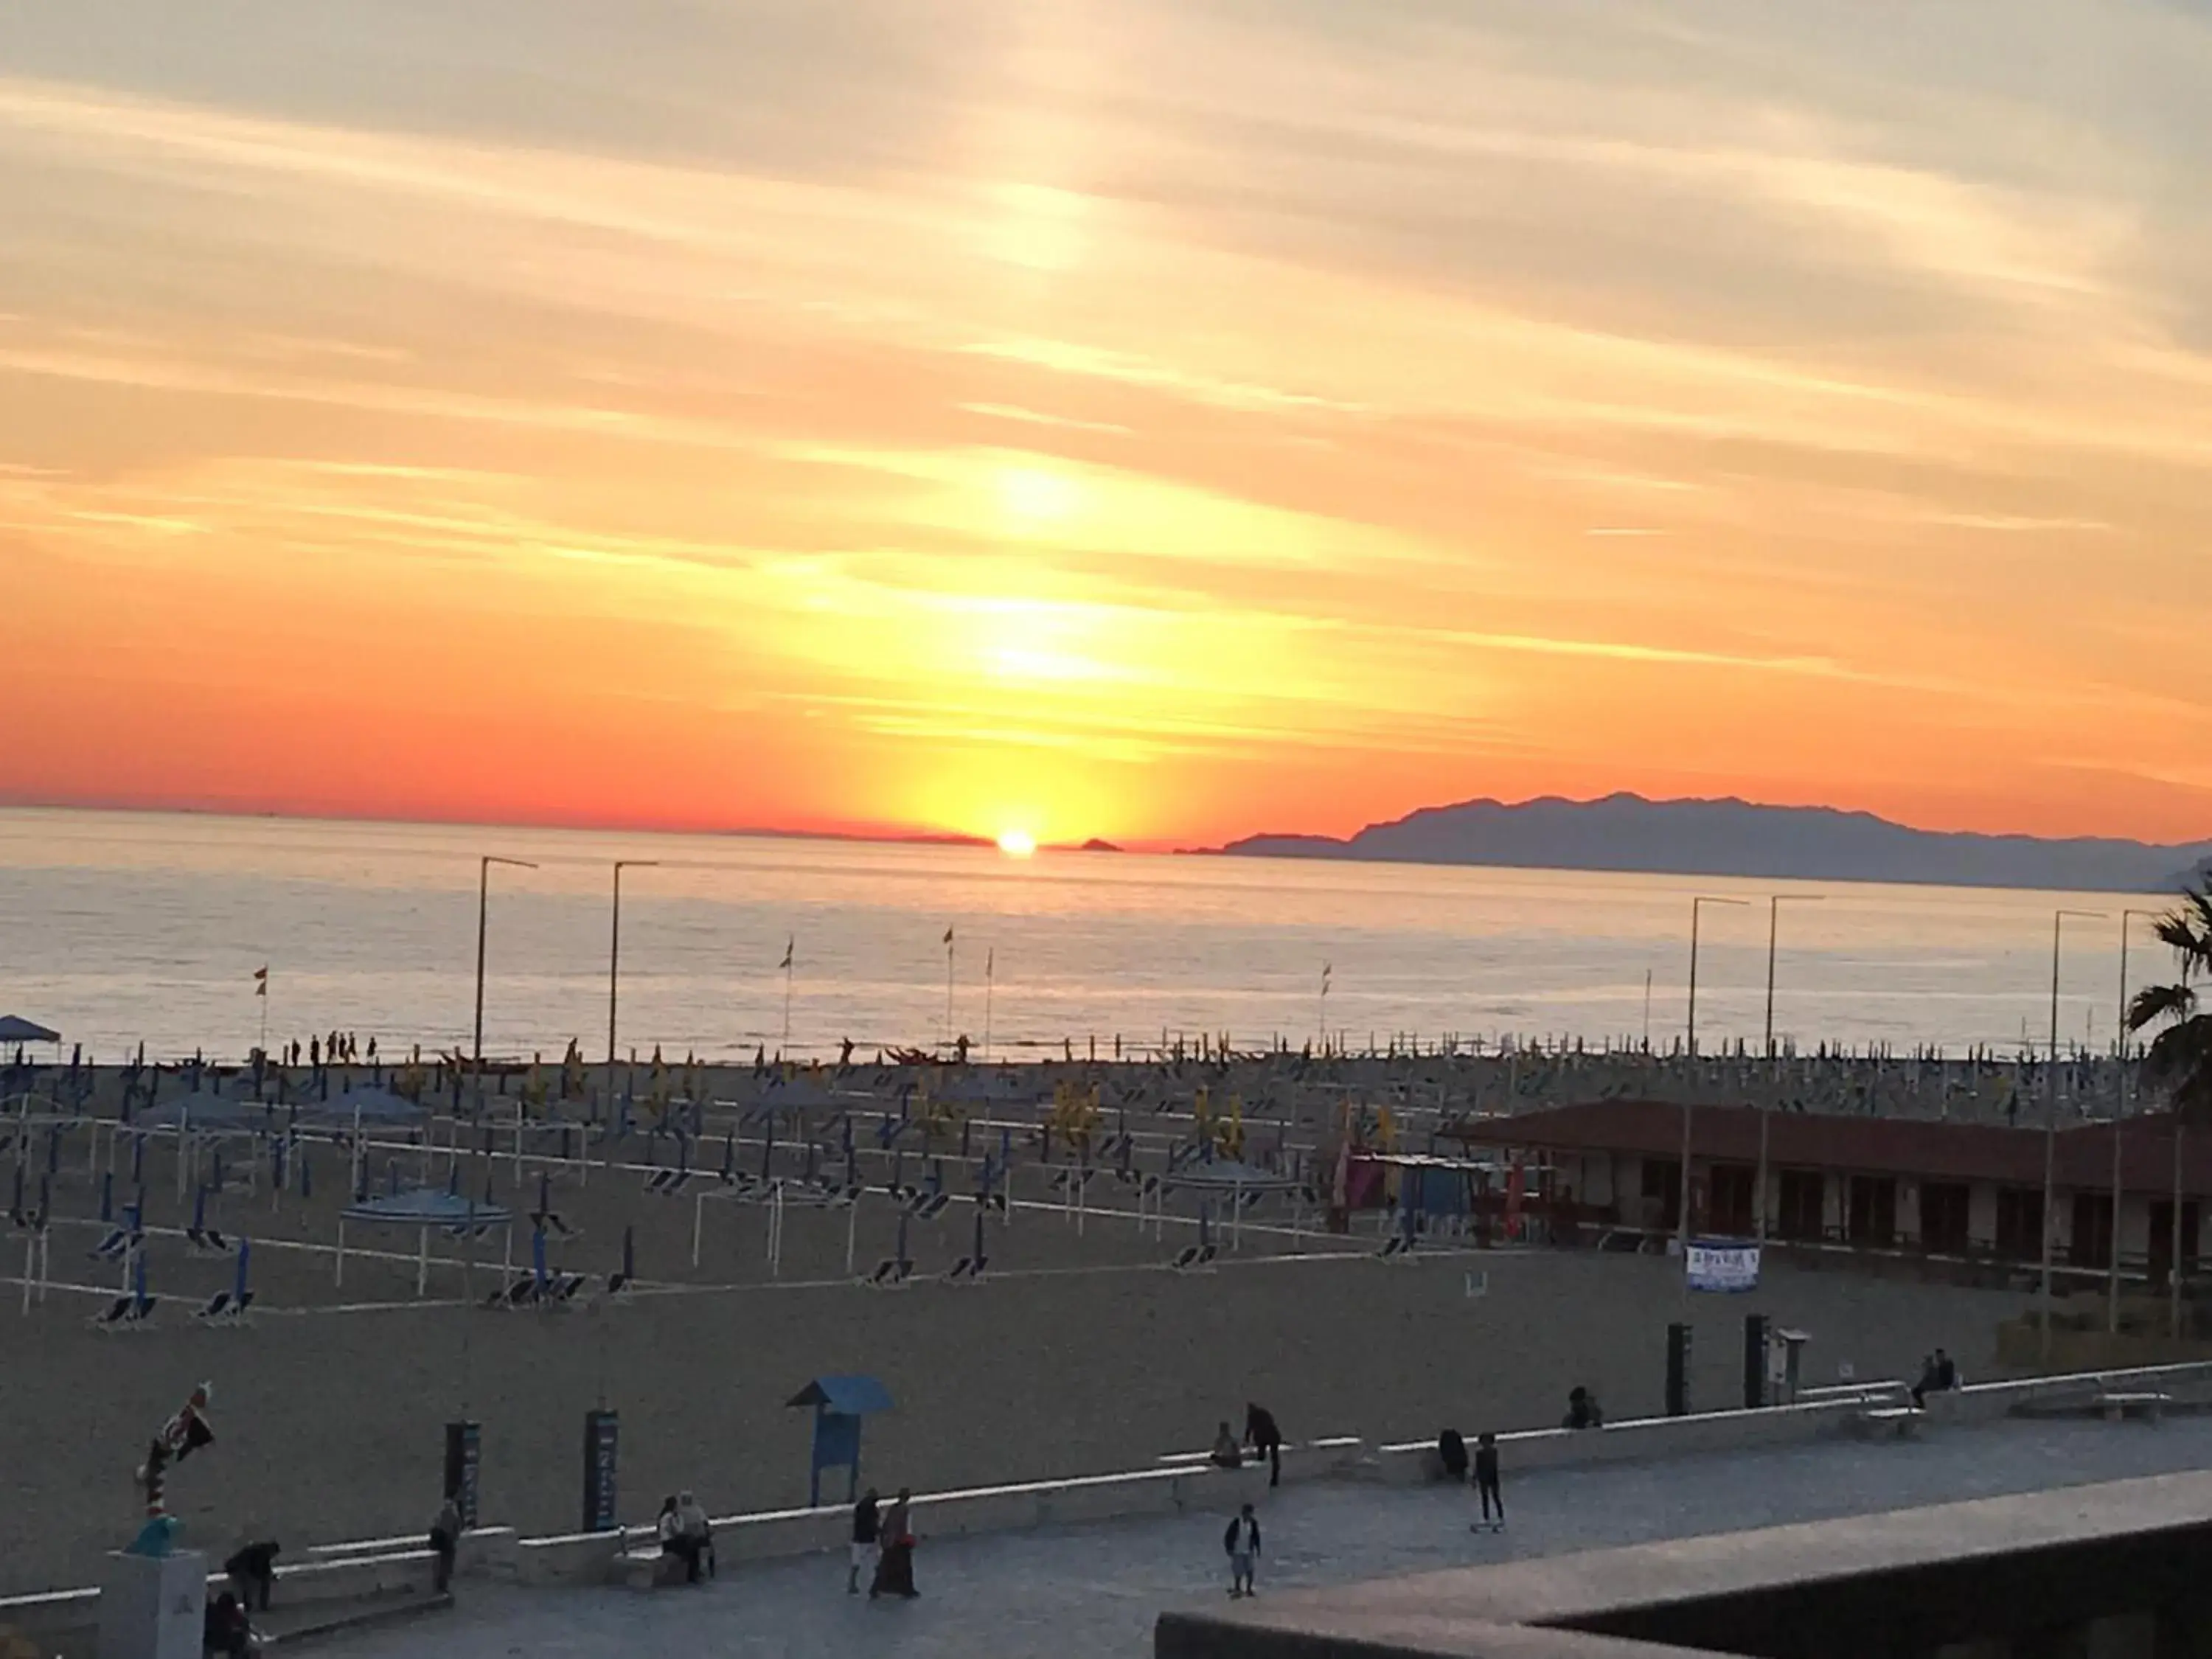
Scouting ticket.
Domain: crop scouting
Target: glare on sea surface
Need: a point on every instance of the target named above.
(1017, 843)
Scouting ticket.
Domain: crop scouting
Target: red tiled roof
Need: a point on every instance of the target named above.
(2082, 1155)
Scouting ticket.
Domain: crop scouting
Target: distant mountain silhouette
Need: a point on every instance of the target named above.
(1738, 838)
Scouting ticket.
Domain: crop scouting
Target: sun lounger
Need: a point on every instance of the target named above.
(967, 1270)
(111, 1249)
(125, 1313)
(617, 1284)
(218, 1307)
(1396, 1247)
(889, 1273)
(1193, 1256)
(932, 1206)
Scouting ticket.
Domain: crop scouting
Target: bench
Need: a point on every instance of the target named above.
(2147, 1406)
(1887, 1422)
(647, 1569)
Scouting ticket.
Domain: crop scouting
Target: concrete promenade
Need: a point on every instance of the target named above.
(1093, 1591)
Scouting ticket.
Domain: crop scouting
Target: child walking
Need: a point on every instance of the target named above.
(1241, 1541)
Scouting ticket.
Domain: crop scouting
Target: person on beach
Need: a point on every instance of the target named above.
(1265, 1439)
(1241, 1541)
(1486, 1480)
(895, 1564)
(866, 1550)
(1582, 1411)
(1227, 1454)
(225, 1631)
(251, 1571)
(692, 1523)
(1451, 1455)
(445, 1542)
(669, 1530)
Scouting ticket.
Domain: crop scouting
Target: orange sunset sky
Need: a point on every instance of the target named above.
(1157, 419)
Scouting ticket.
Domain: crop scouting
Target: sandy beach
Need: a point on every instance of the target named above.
(1080, 1353)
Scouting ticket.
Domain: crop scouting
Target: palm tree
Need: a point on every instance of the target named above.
(2179, 1061)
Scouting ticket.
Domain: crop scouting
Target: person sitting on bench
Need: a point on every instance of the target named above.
(1582, 1411)
(445, 1543)
(1227, 1454)
(691, 1522)
(674, 1541)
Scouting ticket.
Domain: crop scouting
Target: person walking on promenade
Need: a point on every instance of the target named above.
(1485, 1483)
(867, 1551)
(445, 1542)
(1265, 1439)
(1241, 1541)
(895, 1565)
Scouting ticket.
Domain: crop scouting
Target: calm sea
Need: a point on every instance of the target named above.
(117, 928)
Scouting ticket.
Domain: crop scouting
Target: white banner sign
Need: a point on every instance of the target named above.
(1731, 1267)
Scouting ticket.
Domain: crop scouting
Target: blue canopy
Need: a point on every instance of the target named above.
(848, 1396)
(13, 1028)
(432, 1206)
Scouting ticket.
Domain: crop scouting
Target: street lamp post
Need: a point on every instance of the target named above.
(614, 964)
(1774, 903)
(1697, 905)
(2051, 1123)
(483, 918)
(2119, 1114)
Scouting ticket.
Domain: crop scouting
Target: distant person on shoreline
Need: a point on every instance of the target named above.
(692, 1521)
(1583, 1409)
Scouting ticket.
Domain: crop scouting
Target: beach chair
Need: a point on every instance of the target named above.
(967, 1270)
(931, 1206)
(206, 1241)
(111, 1249)
(1396, 1247)
(114, 1314)
(218, 1307)
(844, 1198)
(993, 1202)
(564, 1288)
(550, 1222)
(902, 1195)
(890, 1274)
(617, 1284)
(1192, 1257)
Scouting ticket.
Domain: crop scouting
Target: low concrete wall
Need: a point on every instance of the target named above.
(588, 1558)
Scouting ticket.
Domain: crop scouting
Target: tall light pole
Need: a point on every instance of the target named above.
(1774, 903)
(1697, 905)
(2050, 1121)
(614, 964)
(2119, 1113)
(483, 918)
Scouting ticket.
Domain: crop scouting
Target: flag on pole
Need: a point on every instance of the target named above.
(948, 936)
(1324, 975)
(990, 961)
(790, 944)
(261, 981)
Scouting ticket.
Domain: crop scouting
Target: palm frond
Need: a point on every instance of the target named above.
(2154, 1003)
(2178, 1064)
(2187, 930)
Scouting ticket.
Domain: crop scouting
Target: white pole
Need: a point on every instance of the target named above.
(422, 1262)
(852, 1230)
(30, 1251)
(698, 1225)
(339, 1257)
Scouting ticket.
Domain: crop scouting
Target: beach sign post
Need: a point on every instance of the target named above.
(839, 1403)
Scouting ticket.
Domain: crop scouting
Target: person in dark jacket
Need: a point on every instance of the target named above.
(445, 1543)
(1582, 1412)
(895, 1568)
(866, 1532)
(1485, 1482)
(1452, 1453)
(1265, 1439)
(251, 1569)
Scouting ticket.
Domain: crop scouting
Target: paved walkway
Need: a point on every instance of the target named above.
(1092, 1592)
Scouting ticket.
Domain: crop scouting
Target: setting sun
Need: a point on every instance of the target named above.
(1017, 843)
